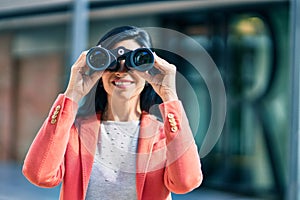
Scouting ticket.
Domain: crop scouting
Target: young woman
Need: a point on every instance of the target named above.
(100, 141)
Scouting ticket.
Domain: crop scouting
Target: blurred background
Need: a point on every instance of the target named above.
(249, 41)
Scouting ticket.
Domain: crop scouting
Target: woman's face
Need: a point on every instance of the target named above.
(122, 83)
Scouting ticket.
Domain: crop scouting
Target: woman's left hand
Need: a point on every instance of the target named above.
(164, 82)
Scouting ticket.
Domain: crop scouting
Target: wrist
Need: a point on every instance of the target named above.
(169, 97)
(73, 96)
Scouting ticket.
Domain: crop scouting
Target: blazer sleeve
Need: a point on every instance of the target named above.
(183, 168)
(44, 162)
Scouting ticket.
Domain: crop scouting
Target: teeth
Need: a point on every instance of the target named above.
(119, 83)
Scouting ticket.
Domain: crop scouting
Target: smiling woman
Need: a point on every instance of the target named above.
(100, 141)
(123, 88)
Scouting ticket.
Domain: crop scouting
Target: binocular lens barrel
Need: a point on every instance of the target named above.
(99, 58)
(142, 59)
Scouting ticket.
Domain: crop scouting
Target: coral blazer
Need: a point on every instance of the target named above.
(167, 159)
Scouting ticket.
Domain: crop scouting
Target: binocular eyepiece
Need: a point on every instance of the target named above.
(99, 58)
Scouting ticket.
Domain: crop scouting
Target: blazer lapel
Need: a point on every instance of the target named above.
(88, 133)
(148, 130)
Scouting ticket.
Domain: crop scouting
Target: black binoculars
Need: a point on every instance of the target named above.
(99, 58)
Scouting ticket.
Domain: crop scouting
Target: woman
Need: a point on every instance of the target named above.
(111, 147)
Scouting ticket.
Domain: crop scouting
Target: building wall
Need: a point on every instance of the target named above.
(5, 95)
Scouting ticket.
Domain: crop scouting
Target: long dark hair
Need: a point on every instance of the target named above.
(95, 101)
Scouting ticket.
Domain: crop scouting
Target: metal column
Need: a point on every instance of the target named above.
(80, 26)
(293, 187)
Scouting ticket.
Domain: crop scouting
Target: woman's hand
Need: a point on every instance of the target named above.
(164, 82)
(80, 83)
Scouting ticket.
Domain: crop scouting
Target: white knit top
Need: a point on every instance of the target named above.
(113, 173)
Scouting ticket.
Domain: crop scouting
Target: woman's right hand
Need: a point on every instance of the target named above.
(80, 82)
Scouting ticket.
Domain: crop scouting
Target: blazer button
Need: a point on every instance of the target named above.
(54, 116)
(172, 120)
(58, 108)
(55, 112)
(173, 123)
(174, 129)
(53, 121)
(170, 115)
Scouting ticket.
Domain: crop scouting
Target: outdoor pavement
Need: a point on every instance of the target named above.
(14, 186)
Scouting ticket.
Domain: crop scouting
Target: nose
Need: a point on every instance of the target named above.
(122, 67)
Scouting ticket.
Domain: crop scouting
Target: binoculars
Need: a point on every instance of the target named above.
(99, 58)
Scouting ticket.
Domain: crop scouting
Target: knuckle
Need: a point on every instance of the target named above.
(173, 66)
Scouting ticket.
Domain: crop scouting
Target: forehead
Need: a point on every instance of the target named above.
(128, 44)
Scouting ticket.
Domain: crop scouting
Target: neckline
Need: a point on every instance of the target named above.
(110, 122)
(130, 128)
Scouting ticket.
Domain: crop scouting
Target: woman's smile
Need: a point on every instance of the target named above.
(122, 83)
